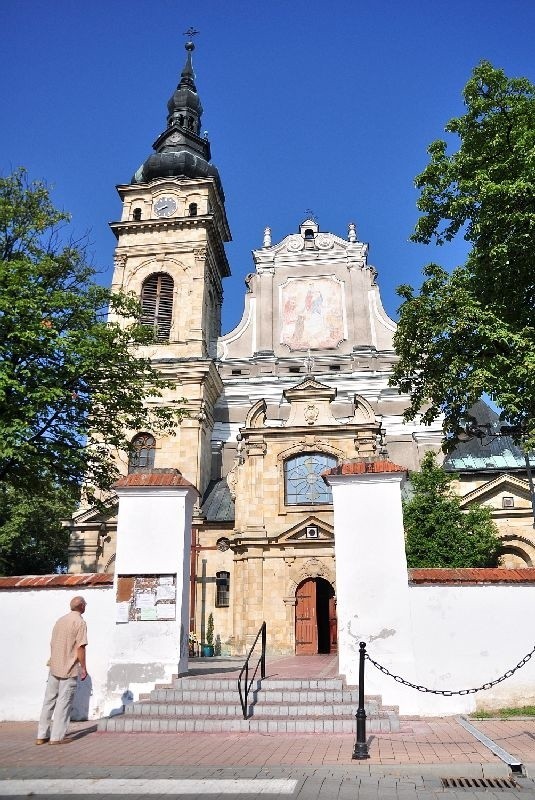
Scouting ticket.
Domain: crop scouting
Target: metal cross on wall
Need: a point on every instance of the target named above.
(203, 580)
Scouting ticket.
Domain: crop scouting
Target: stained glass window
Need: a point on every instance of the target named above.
(303, 483)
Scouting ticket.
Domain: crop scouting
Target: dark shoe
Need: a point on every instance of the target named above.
(60, 741)
(42, 741)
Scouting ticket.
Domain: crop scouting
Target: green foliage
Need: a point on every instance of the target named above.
(438, 533)
(71, 389)
(472, 331)
(210, 630)
(32, 538)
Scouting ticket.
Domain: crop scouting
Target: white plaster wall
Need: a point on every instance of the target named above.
(371, 573)
(442, 637)
(465, 636)
(26, 618)
(153, 537)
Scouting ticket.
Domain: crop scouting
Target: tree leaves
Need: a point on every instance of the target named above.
(438, 533)
(472, 332)
(72, 390)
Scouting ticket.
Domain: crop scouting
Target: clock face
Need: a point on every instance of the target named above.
(165, 206)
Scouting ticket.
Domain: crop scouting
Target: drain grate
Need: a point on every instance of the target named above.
(479, 783)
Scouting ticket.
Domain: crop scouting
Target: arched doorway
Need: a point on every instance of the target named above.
(315, 618)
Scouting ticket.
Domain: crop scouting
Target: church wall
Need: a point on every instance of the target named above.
(216, 561)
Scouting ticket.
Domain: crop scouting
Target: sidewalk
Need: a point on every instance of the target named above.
(409, 765)
(420, 743)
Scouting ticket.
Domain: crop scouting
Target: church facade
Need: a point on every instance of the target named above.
(300, 385)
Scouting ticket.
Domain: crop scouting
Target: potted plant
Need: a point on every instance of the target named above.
(208, 648)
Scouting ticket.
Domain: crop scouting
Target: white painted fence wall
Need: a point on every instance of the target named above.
(443, 637)
(26, 618)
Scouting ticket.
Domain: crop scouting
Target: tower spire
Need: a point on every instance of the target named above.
(180, 149)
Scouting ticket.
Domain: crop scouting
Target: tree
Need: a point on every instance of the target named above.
(32, 537)
(471, 332)
(72, 389)
(438, 533)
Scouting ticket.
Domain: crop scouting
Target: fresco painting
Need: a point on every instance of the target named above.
(312, 314)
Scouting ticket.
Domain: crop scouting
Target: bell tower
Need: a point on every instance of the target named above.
(170, 254)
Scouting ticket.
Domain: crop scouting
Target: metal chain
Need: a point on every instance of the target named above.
(448, 692)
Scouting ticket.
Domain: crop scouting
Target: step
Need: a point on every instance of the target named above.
(144, 724)
(275, 705)
(261, 709)
(267, 684)
(347, 696)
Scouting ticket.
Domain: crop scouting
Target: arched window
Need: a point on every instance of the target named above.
(193, 209)
(157, 305)
(309, 234)
(137, 214)
(303, 484)
(142, 454)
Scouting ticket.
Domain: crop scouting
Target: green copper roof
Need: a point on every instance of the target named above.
(498, 453)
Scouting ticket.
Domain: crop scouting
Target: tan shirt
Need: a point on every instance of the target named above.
(69, 633)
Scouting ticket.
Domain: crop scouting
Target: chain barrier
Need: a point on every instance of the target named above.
(448, 692)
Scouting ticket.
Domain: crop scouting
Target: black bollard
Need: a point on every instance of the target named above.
(361, 745)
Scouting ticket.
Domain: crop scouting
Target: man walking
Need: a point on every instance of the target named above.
(67, 662)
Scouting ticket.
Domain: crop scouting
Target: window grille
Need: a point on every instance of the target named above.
(222, 583)
(143, 452)
(157, 305)
(303, 484)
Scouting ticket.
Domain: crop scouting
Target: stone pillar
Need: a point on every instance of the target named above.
(153, 542)
(266, 317)
(371, 572)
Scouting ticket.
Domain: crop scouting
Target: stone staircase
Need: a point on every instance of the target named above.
(212, 705)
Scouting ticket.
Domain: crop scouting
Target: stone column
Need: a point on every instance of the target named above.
(371, 572)
(153, 540)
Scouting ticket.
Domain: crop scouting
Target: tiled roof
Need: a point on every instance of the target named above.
(218, 505)
(80, 579)
(359, 467)
(471, 576)
(163, 477)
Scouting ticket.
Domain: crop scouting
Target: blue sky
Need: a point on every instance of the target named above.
(308, 105)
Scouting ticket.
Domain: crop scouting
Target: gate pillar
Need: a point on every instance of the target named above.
(151, 581)
(371, 570)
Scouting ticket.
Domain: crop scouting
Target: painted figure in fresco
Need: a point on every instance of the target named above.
(312, 314)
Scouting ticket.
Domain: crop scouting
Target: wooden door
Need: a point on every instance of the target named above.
(306, 624)
(333, 626)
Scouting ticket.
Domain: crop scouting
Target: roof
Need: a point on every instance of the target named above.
(70, 581)
(360, 467)
(217, 504)
(472, 577)
(156, 477)
(500, 453)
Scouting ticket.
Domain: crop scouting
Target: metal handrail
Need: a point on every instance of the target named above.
(261, 662)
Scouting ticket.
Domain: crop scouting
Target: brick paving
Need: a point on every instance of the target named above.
(407, 765)
(404, 766)
(420, 742)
